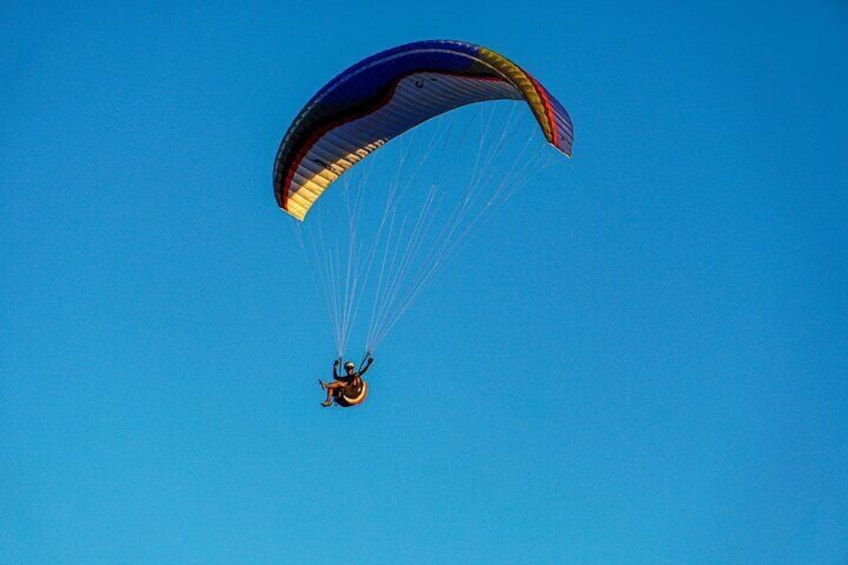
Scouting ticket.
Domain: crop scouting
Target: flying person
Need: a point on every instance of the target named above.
(352, 379)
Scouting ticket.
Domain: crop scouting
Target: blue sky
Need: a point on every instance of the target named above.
(646, 365)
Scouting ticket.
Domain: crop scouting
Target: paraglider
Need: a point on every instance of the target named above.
(349, 389)
(395, 238)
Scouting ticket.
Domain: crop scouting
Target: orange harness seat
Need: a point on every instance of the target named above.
(351, 395)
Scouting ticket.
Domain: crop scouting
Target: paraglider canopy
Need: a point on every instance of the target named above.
(388, 93)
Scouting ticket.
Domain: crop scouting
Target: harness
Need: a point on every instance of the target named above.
(351, 395)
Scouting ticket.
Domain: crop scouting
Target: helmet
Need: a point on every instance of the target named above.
(349, 365)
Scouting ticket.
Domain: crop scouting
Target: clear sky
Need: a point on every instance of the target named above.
(647, 364)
